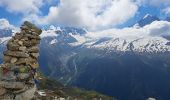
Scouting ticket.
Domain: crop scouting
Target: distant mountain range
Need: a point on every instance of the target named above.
(129, 64)
(148, 19)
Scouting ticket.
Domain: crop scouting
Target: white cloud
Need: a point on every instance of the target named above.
(166, 10)
(157, 28)
(22, 6)
(4, 23)
(92, 14)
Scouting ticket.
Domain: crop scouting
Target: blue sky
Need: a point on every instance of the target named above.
(115, 13)
(142, 11)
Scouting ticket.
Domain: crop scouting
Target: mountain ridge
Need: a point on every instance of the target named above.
(108, 60)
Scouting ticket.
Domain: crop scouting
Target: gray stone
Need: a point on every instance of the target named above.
(35, 55)
(12, 46)
(13, 60)
(24, 38)
(22, 61)
(32, 36)
(7, 97)
(24, 27)
(23, 76)
(25, 60)
(34, 65)
(16, 54)
(12, 85)
(32, 27)
(2, 91)
(31, 43)
(23, 48)
(27, 95)
(9, 76)
(33, 49)
(19, 36)
(34, 33)
(7, 58)
(20, 43)
(21, 90)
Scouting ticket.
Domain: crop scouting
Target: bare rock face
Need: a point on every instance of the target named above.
(20, 63)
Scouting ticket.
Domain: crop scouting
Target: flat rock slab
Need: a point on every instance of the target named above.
(2, 91)
(12, 85)
(16, 54)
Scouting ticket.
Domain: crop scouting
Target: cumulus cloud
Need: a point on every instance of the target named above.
(166, 10)
(155, 29)
(92, 14)
(22, 6)
(4, 23)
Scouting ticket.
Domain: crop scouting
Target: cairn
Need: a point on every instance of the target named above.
(20, 63)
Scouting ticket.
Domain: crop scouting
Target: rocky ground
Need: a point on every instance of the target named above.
(54, 90)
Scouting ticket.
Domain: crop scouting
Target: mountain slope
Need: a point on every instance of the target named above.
(54, 89)
(129, 64)
(124, 63)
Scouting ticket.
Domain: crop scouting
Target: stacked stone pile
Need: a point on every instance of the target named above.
(20, 64)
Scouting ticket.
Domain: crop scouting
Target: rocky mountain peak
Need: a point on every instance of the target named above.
(147, 19)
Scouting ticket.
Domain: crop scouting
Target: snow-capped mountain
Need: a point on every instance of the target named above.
(94, 60)
(151, 38)
(112, 61)
(147, 19)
